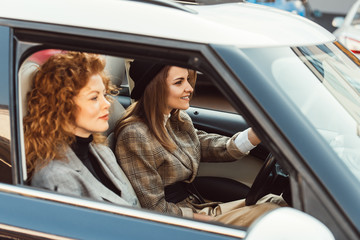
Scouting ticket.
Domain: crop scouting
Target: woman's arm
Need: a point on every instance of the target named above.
(203, 217)
(236, 147)
(254, 140)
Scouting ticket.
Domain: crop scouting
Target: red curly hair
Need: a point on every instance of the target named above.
(51, 107)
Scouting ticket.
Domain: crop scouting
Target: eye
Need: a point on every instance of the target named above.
(94, 98)
(178, 82)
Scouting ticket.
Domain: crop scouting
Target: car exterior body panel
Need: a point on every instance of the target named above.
(240, 33)
(44, 216)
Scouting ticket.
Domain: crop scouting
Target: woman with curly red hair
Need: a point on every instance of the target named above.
(68, 110)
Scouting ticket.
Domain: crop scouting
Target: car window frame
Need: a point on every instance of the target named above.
(29, 38)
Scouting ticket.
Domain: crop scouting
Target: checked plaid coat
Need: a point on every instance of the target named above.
(150, 167)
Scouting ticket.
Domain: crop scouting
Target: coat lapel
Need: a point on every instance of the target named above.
(91, 182)
(187, 151)
(113, 171)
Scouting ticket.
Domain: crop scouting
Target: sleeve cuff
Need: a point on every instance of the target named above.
(187, 212)
(242, 142)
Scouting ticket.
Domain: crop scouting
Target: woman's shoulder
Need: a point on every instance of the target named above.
(137, 128)
(51, 173)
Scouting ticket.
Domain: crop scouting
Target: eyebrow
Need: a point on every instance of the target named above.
(179, 78)
(93, 91)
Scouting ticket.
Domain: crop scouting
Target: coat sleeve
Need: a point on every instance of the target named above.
(140, 156)
(214, 147)
(218, 148)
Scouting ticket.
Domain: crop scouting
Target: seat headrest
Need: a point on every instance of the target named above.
(116, 112)
(26, 74)
(115, 67)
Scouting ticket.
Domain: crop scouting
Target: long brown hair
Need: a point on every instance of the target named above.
(150, 109)
(51, 107)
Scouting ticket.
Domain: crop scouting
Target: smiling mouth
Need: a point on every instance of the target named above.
(185, 98)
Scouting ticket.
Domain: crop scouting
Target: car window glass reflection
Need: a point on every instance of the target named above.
(324, 87)
(207, 95)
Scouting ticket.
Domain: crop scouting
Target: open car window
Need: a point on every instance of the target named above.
(117, 69)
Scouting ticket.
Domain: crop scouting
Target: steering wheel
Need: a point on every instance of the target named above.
(264, 181)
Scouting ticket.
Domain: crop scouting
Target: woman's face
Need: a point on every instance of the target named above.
(179, 89)
(93, 108)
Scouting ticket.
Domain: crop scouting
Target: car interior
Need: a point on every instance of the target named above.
(232, 181)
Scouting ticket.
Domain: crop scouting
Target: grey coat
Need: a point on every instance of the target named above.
(73, 178)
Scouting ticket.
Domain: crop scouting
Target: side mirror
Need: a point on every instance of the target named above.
(288, 223)
(337, 22)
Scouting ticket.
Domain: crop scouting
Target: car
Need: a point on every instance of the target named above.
(283, 75)
(347, 31)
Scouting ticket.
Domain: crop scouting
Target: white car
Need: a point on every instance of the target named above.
(283, 75)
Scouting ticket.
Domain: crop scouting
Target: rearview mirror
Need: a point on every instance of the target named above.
(288, 223)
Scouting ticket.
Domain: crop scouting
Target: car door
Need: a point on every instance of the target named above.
(31, 214)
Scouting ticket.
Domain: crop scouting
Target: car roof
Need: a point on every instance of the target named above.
(240, 24)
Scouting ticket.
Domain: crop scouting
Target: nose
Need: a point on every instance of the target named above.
(106, 104)
(188, 87)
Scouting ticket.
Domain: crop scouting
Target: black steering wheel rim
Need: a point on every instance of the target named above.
(261, 182)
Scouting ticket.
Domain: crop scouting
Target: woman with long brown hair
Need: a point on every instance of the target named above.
(160, 150)
(67, 111)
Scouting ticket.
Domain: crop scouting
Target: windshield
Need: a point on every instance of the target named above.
(324, 82)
